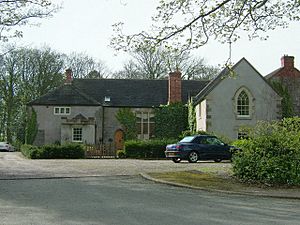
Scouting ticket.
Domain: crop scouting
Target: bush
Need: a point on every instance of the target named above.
(66, 151)
(121, 154)
(30, 151)
(191, 133)
(271, 154)
(147, 149)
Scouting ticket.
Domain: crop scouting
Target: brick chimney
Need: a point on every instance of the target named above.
(174, 87)
(287, 62)
(69, 76)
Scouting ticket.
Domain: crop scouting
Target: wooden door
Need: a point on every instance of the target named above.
(119, 140)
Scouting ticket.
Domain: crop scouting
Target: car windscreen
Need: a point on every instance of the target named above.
(187, 139)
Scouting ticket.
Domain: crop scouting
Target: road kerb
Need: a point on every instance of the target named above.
(148, 177)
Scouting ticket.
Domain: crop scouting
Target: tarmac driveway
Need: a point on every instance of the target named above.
(14, 166)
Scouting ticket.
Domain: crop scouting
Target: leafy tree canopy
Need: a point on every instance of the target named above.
(189, 24)
(17, 13)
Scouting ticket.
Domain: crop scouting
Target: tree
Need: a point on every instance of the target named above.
(129, 71)
(155, 63)
(17, 13)
(189, 24)
(25, 74)
(128, 121)
(84, 66)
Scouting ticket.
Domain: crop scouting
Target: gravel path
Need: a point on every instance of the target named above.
(14, 165)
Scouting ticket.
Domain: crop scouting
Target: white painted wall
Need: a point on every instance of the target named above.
(221, 101)
(201, 116)
(51, 124)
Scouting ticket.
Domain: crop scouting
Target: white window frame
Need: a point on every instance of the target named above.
(243, 104)
(148, 115)
(62, 110)
(250, 103)
(73, 135)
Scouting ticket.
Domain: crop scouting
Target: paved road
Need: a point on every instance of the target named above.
(122, 200)
(118, 195)
(13, 165)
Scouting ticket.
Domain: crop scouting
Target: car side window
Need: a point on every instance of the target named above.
(214, 141)
(203, 141)
(198, 140)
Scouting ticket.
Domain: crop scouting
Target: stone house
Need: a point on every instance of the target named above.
(84, 110)
(289, 76)
(236, 98)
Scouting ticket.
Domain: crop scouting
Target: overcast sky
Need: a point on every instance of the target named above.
(85, 26)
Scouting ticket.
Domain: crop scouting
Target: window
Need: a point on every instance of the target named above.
(213, 141)
(62, 110)
(243, 105)
(145, 125)
(77, 134)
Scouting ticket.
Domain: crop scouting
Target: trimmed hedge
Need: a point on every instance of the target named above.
(66, 151)
(147, 149)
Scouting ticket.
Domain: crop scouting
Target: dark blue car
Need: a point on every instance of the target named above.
(199, 147)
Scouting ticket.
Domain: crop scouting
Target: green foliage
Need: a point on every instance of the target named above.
(25, 74)
(31, 128)
(187, 24)
(191, 116)
(128, 121)
(30, 151)
(286, 102)
(191, 133)
(271, 155)
(121, 154)
(170, 120)
(147, 149)
(66, 151)
(19, 13)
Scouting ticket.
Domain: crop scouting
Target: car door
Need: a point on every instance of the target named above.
(202, 148)
(217, 149)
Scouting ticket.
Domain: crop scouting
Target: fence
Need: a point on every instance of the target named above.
(100, 151)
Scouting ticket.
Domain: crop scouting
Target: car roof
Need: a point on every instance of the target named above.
(203, 135)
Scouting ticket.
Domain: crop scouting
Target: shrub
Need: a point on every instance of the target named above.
(121, 154)
(271, 154)
(191, 133)
(147, 149)
(30, 151)
(66, 151)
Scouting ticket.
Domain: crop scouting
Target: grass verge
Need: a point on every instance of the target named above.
(216, 181)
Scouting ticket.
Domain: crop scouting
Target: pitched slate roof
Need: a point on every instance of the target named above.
(122, 92)
(65, 95)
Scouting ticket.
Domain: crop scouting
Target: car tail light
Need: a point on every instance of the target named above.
(179, 147)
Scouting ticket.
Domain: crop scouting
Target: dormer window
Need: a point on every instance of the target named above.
(107, 99)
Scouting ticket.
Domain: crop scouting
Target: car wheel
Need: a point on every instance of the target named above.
(217, 160)
(176, 160)
(193, 157)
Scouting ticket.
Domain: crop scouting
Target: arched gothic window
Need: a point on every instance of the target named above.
(243, 104)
